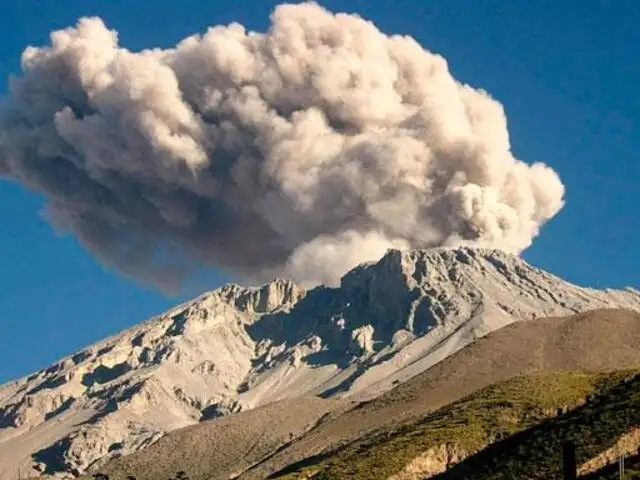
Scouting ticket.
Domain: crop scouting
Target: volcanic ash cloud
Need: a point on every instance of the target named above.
(298, 152)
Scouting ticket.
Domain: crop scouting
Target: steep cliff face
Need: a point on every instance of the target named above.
(237, 348)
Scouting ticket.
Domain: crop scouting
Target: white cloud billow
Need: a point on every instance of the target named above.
(300, 152)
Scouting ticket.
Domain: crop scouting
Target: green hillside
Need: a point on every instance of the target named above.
(521, 420)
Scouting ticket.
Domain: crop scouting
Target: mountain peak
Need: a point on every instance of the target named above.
(414, 263)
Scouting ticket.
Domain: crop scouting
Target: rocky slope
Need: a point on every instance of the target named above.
(238, 348)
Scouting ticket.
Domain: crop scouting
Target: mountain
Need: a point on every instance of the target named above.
(238, 348)
(590, 342)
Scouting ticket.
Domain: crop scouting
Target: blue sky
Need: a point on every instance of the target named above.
(565, 70)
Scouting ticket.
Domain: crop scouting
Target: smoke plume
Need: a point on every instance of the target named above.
(298, 152)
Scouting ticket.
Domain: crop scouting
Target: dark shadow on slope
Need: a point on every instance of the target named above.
(62, 408)
(50, 384)
(328, 357)
(536, 453)
(110, 407)
(209, 413)
(53, 457)
(105, 350)
(112, 402)
(345, 385)
(313, 313)
(102, 374)
(177, 327)
(333, 315)
(220, 409)
(80, 357)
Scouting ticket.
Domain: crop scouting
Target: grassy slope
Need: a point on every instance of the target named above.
(523, 404)
(536, 452)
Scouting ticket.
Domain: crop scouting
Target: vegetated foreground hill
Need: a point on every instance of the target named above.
(510, 430)
(591, 342)
(238, 348)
